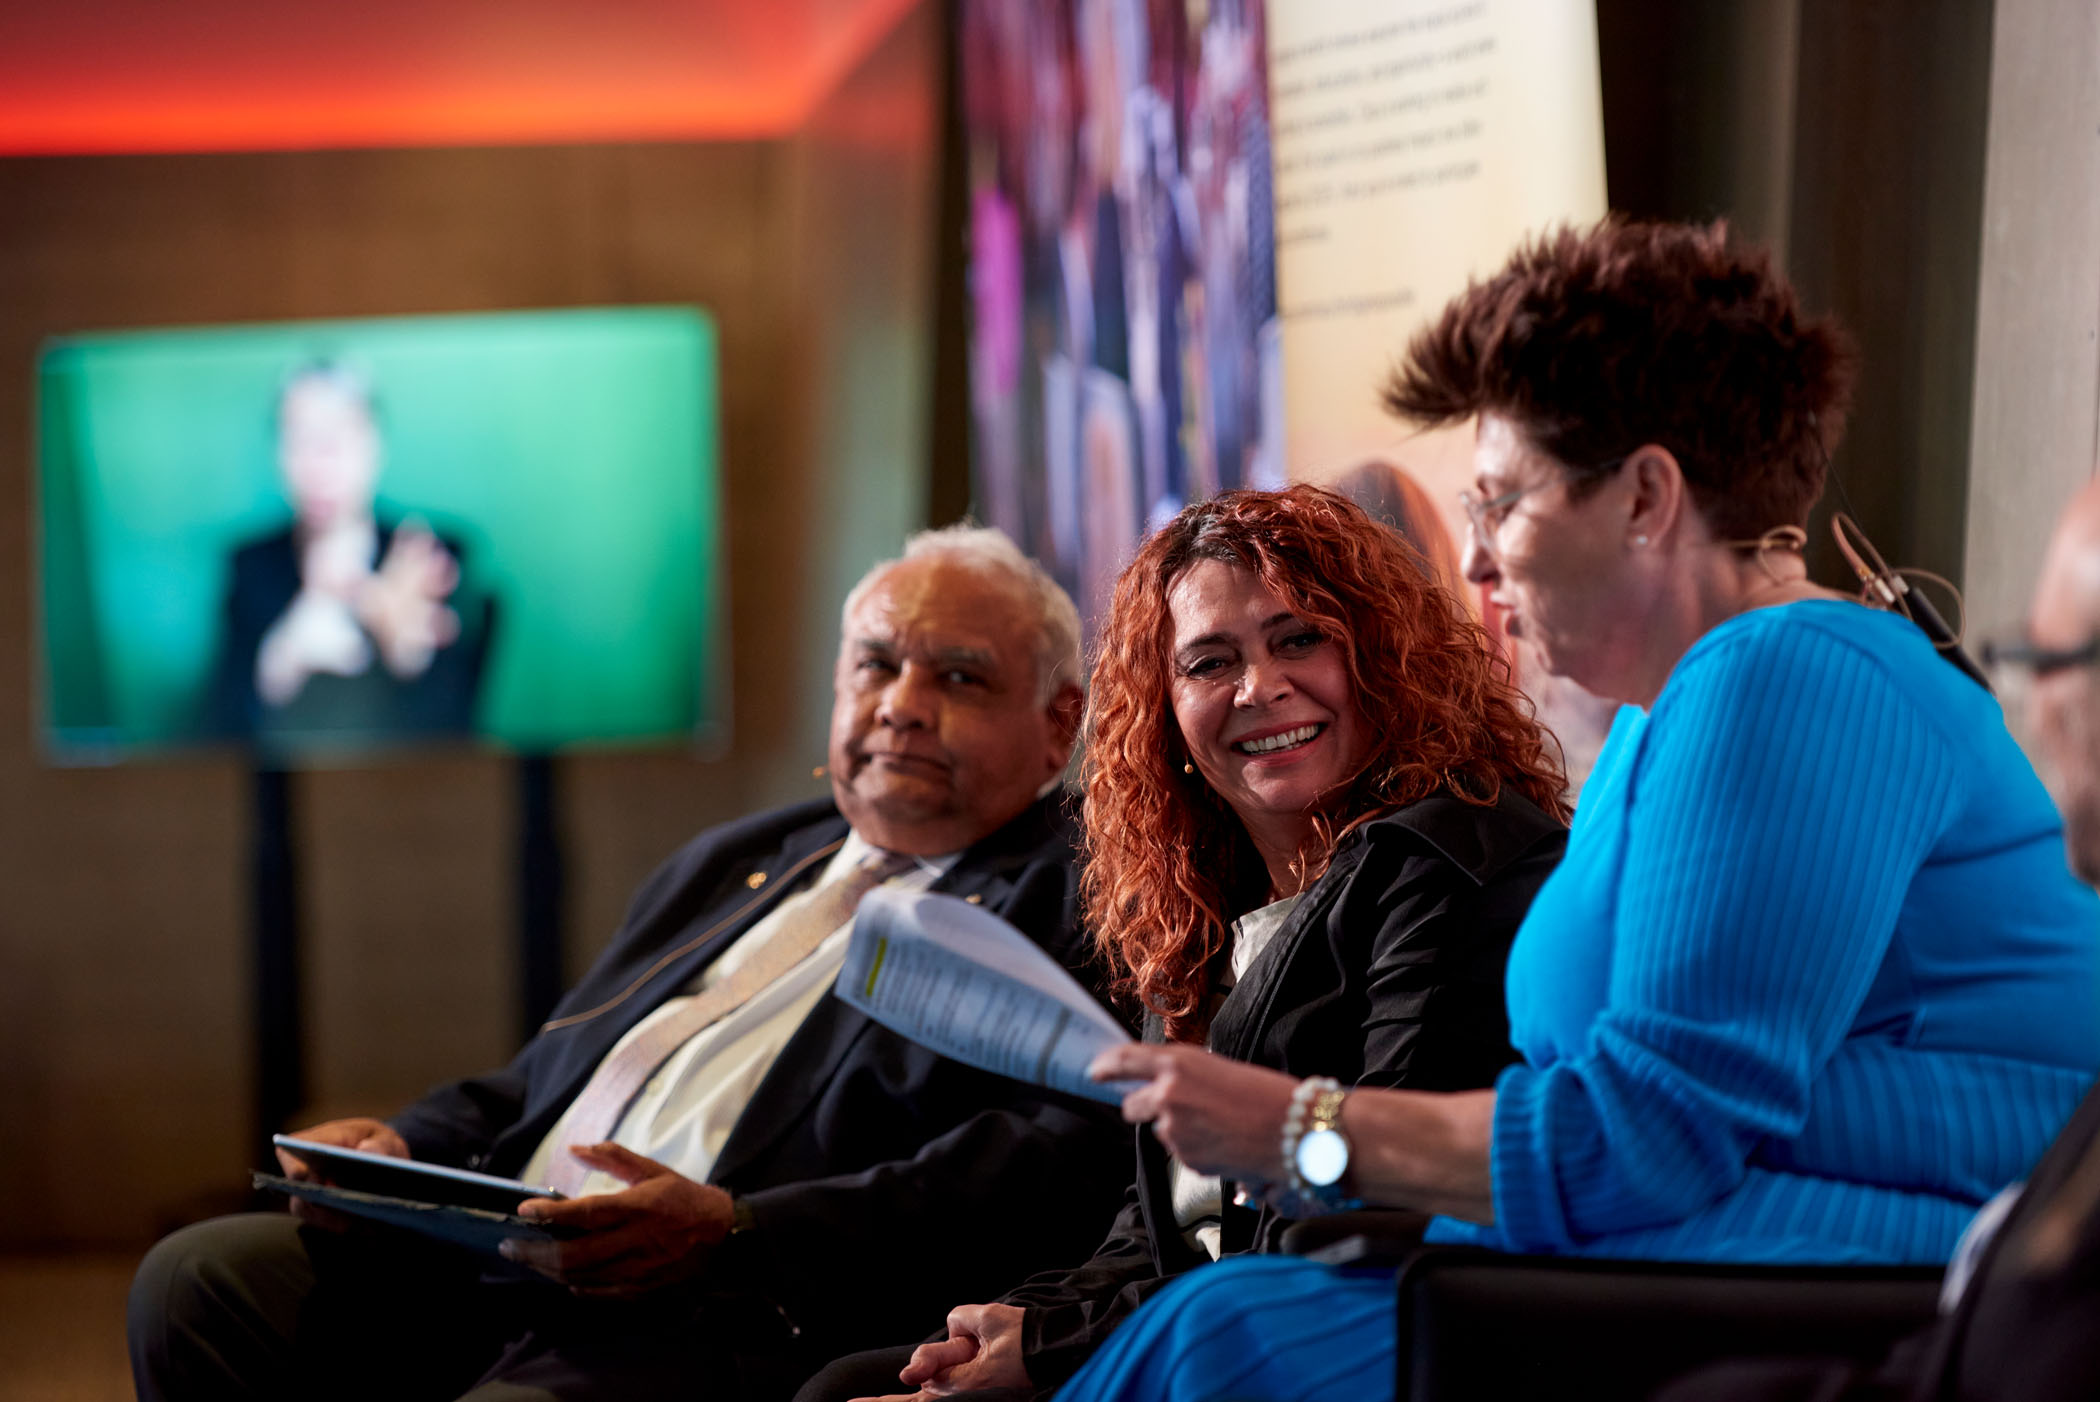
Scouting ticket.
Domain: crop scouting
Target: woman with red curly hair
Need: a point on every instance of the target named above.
(1316, 813)
(1205, 799)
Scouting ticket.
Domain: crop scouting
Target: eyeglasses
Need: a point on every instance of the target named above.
(1487, 516)
(2040, 661)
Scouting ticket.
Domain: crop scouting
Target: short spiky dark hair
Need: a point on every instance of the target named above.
(1593, 342)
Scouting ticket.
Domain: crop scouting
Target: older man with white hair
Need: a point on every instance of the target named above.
(757, 1177)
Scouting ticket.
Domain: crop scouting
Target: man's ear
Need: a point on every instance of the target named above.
(1065, 710)
(1657, 493)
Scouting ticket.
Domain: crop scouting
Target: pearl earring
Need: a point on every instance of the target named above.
(1640, 540)
(1187, 767)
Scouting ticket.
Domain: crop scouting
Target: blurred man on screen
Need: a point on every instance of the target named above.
(758, 1178)
(346, 623)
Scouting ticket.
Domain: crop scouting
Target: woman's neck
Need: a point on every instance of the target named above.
(1285, 878)
(1714, 583)
(1282, 854)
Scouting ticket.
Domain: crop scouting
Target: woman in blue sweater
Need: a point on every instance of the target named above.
(1812, 982)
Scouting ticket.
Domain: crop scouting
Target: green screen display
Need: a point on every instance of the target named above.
(563, 462)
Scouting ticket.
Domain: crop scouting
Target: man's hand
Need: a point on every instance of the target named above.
(983, 1349)
(367, 1135)
(403, 604)
(1214, 1114)
(316, 633)
(658, 1232)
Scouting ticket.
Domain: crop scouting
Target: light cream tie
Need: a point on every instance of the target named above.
(621, 1076)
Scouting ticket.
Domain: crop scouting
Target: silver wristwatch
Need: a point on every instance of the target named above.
(1323, 1150)
(1315, 1151)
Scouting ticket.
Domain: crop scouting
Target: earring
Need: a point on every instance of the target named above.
(1640, 540)
(1187, 767)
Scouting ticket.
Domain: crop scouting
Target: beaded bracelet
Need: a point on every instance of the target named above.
(1294, 1130)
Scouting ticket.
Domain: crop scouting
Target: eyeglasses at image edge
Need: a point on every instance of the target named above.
(2041, 661)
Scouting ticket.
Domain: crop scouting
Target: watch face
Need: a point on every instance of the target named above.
(1323, 1157)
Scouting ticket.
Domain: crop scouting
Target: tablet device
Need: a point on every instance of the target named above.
(406, 1178)
(461, 1226)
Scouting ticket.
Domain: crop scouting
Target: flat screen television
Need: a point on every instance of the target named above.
(321, 539)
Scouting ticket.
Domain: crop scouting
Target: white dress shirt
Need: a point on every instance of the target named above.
(683, 1115)
(1199, 1198)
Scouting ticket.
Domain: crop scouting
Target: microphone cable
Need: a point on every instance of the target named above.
(1880, 586)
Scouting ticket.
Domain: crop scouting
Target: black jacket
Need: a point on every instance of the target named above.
(887, 1182)
(1388, 973)
(330, 711)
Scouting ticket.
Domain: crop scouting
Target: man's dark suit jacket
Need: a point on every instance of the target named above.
(887, 1183)
(1388, 973)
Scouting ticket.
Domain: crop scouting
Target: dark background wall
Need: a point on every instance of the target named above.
(124, 1053)
(1848, 135)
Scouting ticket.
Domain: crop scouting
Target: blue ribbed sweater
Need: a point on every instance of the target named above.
(1813, 980)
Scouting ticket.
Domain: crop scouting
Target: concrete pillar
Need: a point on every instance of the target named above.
(2036, 410)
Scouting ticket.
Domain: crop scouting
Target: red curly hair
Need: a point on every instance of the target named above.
(1169, 866)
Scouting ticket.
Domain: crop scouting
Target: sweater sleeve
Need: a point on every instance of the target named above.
(1786, 794)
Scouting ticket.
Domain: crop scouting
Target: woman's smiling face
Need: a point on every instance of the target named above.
(1263, 700)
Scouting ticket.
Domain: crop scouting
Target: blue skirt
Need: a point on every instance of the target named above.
(1252, 1329)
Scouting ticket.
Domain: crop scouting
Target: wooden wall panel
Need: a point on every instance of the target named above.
(842, 258)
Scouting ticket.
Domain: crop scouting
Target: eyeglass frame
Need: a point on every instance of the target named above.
(2041, 661)
(1478, 511)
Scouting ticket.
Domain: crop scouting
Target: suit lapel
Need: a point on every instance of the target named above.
(698, 929)
(1245, 1014)
(697, 938)
(813, 1056)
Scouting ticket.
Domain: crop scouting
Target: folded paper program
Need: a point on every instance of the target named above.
(956, 978)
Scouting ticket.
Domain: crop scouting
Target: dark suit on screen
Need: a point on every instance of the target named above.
(885, 1181)
(263, 579)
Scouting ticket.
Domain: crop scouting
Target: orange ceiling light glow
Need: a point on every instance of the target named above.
(115, 76)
